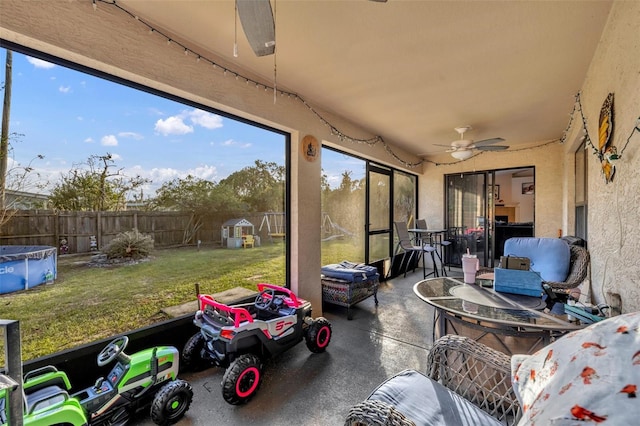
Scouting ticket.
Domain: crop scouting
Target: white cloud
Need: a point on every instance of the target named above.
(89, 140)
(131, 135)
(116, 157)
(39, 63)
(229, 142)
(205, 119)
(173, 126)
(109, 140)
(63, 89)
(159, 176)
(204, 172)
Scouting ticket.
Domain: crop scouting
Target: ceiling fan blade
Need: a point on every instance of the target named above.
(257, 21)
(488, 142)
(492, 148)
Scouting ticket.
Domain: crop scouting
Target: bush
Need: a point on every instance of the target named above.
(130, 244)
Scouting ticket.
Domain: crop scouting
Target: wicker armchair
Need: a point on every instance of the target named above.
(579, 264)
(471, 370)
(476, 372)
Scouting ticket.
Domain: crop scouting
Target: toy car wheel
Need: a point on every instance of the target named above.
(242, 379)
(171, 402)
(191, 353)
(318, 335)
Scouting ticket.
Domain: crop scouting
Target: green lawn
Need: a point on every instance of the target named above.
(90, 303)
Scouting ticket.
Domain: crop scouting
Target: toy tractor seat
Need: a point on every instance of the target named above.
(44, 377)
(44, 398)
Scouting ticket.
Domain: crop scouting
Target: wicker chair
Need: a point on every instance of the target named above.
(471, 370)
(579, 264)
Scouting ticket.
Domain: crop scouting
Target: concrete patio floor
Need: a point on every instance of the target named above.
(303, 388)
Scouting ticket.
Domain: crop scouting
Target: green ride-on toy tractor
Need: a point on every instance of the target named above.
(145, 379)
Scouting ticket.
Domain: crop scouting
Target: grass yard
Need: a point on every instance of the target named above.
(88, 303)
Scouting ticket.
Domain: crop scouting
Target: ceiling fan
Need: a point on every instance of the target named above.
(256, 17)
(462, 149)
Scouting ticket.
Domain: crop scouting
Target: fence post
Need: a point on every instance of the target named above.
(56, 230)
(13, 354)
(99, 230)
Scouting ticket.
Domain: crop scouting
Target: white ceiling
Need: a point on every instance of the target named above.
(411, 71)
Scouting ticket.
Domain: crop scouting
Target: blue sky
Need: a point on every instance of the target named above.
(67, 116)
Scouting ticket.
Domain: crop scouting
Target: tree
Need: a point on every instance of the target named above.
(260, 187)
(14, 177)
(94, 186)
(345, 203)
(203, 198)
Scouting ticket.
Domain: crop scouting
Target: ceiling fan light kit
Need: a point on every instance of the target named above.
(462, 149)
(462, 155)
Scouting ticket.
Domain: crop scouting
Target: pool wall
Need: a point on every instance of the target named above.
(24, 267)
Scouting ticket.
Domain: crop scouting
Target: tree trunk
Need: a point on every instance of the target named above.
(4, 134)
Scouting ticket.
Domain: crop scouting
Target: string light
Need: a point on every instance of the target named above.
(635, 129)
(343, 137)
(577, 106)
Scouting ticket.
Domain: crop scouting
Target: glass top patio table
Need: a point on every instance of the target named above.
(489, 306)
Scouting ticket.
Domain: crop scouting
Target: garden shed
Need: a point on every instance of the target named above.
(233, 231)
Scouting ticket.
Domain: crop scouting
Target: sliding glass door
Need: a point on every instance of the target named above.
(484, 209)
(466, 216)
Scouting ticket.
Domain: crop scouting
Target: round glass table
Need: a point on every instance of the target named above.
(507, 322)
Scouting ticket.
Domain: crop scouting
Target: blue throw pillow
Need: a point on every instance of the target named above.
(550, 257)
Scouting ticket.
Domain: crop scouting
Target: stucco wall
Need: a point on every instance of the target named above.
(548, 163)
(614, 228)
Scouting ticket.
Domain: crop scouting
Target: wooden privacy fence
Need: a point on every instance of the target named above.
(48, 227)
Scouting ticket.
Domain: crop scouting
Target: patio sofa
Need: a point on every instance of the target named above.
(589, 375)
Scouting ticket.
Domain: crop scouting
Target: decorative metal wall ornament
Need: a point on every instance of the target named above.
(310, 148)
(607, 152)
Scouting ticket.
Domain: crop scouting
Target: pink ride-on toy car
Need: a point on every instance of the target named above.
(240, 337)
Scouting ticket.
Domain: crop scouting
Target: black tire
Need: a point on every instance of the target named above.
(242, 379)
(171, 402)
(191, 354)
(318, 335)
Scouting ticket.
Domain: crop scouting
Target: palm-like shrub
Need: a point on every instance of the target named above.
(130, 244)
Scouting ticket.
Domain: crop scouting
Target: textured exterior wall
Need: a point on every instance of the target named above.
(548, 163)
(614, 216)
(614, 229)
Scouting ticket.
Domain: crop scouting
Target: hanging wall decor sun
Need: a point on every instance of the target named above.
(606, 151)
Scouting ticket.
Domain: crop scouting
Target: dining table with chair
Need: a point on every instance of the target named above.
(435, 238)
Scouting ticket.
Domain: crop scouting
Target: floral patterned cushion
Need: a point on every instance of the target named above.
(588, 376)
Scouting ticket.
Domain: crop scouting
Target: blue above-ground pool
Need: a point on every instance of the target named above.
(24, 267)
